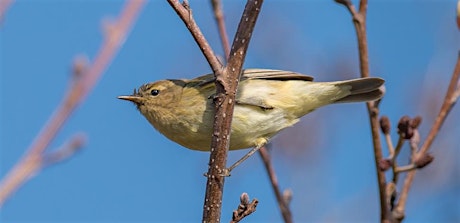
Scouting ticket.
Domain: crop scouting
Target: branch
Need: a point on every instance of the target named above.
(359, 20)
(284, 208)
(449, 101)
(80, 86)
(65, 151)
(219, 16)
(185, 13)
(282, 201)
(226, 86)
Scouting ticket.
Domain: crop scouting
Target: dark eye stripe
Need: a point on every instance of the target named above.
(155, 92)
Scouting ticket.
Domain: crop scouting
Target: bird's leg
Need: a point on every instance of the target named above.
(226, 172)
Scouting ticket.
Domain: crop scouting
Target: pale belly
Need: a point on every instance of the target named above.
(247, 130)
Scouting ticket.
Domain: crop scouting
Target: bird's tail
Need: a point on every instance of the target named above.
(362, 89)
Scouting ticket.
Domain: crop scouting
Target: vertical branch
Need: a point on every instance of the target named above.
(284, 208)
(224, 100)
(219, 16)
(80, 86)
(359, 21)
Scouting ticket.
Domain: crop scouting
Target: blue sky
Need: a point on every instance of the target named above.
(128, 172)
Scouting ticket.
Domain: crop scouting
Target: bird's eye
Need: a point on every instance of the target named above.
(155, 92)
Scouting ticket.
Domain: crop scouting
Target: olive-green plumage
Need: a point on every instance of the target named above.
(267, 101)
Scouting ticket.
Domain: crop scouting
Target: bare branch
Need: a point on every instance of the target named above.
(226, 85)
(65, 151)
(224, 101)
(244, 208)
(449, 101)
(80, 86)
(185, 13)
(219, 16)
(359, 20)
(282, 202)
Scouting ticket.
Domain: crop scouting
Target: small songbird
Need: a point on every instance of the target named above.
(267, 102)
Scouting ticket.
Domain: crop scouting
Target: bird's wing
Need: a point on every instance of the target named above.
(269, 74)
(266, 74)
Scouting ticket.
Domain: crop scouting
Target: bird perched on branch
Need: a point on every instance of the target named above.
(267, 102)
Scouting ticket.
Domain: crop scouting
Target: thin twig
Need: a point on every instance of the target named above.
(185, 13)
(80, 86)
(394, 157)
(65, 151)
(448, 104)
(244, 208)
(391, 148)
(359, 21)
(449, 101)
(219, 16)
(283, 205)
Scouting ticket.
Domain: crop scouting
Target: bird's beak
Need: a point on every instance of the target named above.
(135, 99)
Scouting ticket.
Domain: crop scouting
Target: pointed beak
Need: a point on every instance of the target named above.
(135, 99)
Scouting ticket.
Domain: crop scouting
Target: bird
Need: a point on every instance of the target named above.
(267, 101)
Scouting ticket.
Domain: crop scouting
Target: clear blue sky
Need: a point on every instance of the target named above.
(128, 172)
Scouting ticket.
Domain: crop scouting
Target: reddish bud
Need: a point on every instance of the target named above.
(424, 160)
(404, 128)
(385, 164)
(385, 125)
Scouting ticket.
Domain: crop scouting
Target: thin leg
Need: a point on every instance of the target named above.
(226, 172)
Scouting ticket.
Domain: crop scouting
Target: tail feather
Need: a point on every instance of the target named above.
(363, 89)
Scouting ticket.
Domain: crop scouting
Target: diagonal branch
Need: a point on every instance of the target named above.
(359, 20)
(449, 101)
(65, 151)
(185, 13)
(282, 202)
(80, 86)
(219, 16)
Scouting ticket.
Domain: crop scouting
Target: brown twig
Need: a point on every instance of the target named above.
(244, 208)
(359, 21)
(185, 13)
(282, 202)
(449, 101)
(80, 86)
(219, 16)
